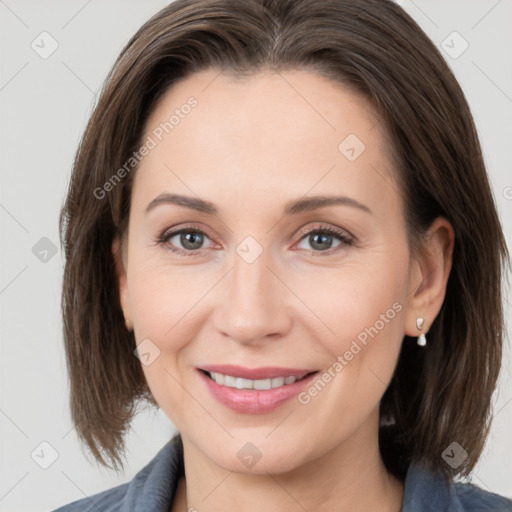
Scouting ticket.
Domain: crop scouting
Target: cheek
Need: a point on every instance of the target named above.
(352, 312)
(360, 302)
(164, 298)
(165, 321)
(166, 302)
(362, 305)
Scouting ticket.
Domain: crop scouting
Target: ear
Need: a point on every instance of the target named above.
(119, 260)
(429, 272)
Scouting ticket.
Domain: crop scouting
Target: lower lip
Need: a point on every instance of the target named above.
(252, 401)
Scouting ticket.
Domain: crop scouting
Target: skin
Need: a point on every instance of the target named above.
(251, 145)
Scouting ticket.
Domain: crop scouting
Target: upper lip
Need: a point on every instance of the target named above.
(267, 372)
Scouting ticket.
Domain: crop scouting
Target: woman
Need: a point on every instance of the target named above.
(231, 142)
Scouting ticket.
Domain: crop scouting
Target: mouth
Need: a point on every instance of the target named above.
(254, 390)
(261, 384)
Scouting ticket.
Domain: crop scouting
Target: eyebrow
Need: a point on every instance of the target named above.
(312, 203)
(291, 208)
(188, 202)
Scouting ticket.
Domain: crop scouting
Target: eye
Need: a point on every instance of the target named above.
(187, 241)
(321, 238)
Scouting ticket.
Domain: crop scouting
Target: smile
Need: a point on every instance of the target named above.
(254, 390)
(260, 384)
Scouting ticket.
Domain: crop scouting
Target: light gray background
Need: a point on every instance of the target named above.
(44, 107)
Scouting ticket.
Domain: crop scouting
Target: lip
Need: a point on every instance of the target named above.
(252, 401)
(267, 372)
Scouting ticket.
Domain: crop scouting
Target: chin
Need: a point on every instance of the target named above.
(258, 457)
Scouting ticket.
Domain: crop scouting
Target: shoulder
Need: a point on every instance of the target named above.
(474, 499)
(429, 492)
(107, 501)
(152, 488)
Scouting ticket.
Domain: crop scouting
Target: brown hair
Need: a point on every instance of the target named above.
(437, 395)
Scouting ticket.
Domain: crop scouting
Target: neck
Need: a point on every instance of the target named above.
(350, 477)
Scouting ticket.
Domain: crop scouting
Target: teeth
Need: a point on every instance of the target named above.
(227, 380)
(277, 382)
(262, 384)
(242, 383)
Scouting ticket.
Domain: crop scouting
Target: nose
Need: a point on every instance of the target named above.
(257, 305)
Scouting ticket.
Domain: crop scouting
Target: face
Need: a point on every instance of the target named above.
(252, 274)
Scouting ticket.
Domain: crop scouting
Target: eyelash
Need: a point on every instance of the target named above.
(344, 237)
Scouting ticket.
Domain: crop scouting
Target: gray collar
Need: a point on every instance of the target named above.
(154, 487)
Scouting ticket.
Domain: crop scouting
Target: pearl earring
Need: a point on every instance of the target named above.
(127, 322)
(422, 340)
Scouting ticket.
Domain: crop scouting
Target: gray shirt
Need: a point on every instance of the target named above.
(153, 488)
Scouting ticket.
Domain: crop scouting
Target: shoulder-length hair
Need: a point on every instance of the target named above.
(437, 395)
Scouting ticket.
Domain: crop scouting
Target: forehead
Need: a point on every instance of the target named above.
(266, 131)
(303, 104)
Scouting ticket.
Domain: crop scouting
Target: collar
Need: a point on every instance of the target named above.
(153, 488)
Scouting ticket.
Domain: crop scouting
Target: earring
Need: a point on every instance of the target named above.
(422, 340)
(127, 323)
